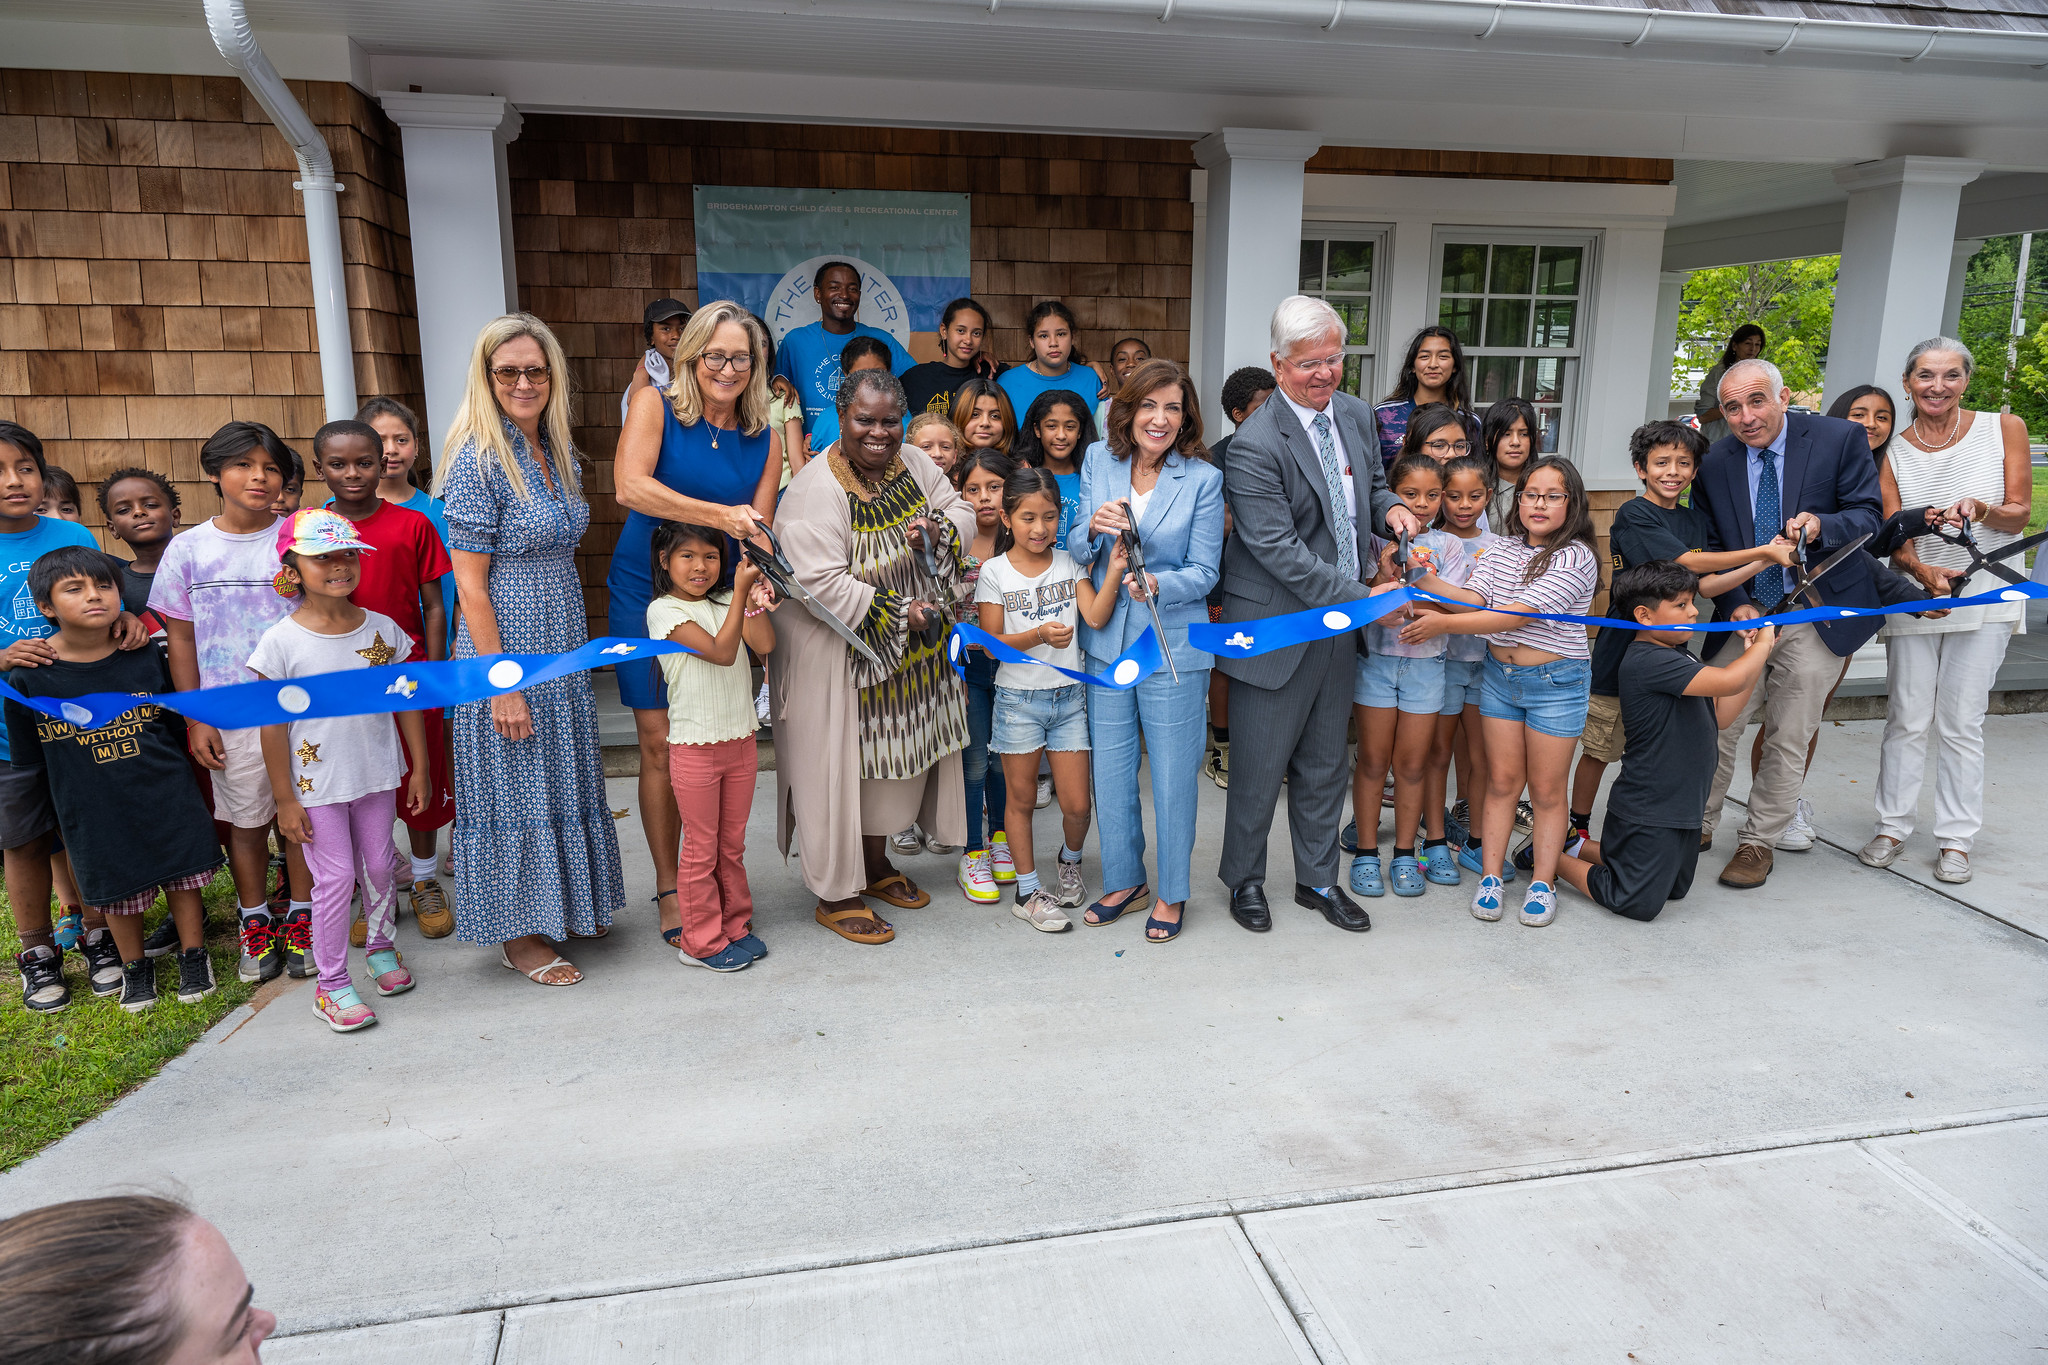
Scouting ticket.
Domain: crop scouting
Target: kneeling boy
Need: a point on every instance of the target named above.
(1673, 708)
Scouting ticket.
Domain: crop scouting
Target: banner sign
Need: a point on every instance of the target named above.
(760, 248)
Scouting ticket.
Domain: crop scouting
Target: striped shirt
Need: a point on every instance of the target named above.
(1565, 587)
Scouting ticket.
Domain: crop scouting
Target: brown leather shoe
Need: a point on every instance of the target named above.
(1748, 868)
(430, 909)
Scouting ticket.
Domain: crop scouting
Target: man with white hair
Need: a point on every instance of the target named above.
(1784, 472)
(1305, 490)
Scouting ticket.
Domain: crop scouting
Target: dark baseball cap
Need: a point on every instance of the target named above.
(661, 310)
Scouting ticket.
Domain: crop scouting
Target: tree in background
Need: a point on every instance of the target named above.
(1793, 301)
(1985, 326)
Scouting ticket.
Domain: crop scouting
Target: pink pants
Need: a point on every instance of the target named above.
(351, 842)
(714, 786)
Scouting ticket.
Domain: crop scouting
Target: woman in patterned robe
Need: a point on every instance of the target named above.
(863, 752)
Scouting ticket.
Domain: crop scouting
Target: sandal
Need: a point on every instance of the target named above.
(901, 898)
(835, 921)
(1100, 914)
(1172, 931)
(672, 937)
(505, 960)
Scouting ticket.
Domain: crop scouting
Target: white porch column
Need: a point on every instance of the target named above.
(1664, 342)
(1958, 270)
(1898, 243)
(1251, 255)
(459, 203)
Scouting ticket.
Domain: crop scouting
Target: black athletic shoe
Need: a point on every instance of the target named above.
(162, 939)
(42, 980)
(102, 962)
(195, 976)
(138, 985)
(296, 933)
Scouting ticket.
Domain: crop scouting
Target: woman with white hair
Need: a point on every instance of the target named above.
(536, 856)
(1939, 670)
(700, 450)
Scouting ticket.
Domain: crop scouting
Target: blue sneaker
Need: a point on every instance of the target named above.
(1442, 867)
(1455, 830)
(1365, 875)
(69, 930)
(1348, 840)
(751, 945)
(1408, 877)
(730, 958)
(1486, 901)
(1539, 907)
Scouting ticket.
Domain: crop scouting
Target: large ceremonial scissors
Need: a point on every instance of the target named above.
(1979, 560)
(1799, 583)
(1134, 560)
(775, 568)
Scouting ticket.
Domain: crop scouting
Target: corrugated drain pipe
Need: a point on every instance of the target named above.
(228, 21)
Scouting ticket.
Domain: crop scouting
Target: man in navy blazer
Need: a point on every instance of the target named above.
(1820, 474)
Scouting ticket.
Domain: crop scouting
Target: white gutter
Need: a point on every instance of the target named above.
(1501, 21)
(229, 24)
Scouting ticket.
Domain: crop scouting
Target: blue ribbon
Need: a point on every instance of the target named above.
(1126, 671)
(353, 692)
(1244, 639)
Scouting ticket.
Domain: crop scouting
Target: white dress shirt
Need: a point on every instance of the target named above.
(1307, 416)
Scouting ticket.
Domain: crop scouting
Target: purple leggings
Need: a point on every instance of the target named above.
(351, 841)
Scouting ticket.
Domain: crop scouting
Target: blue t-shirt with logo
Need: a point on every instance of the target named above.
(809, 358)
(18, 553)
(1024, 384)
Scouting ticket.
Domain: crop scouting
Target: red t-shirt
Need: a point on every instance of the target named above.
(408, 554)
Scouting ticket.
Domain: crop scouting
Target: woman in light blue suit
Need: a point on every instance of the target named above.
(1152, 460)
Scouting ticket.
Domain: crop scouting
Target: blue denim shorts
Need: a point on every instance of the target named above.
(1548, 698)
(1028, 719)
(1462, 683)
(1391, 683)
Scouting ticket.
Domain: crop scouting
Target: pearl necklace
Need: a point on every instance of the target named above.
(1954, 432)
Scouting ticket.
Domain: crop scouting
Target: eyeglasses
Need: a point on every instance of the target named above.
(1543, 499)
(1328, 362)
(715, 361)
(508, 376)
(1454, 447)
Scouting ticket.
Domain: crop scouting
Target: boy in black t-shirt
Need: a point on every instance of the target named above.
(1653, 525)
(1673, 709)
(126, 802)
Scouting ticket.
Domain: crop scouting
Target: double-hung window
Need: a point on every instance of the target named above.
(1340, 265)
(1518, 303)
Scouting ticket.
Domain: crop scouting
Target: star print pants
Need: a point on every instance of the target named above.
(351, 843)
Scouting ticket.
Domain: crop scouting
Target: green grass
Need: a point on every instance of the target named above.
(59, 1070)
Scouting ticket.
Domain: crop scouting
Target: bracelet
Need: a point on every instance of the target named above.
(751, 612)
(1041, 632)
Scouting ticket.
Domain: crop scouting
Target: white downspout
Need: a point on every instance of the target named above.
(228, 21)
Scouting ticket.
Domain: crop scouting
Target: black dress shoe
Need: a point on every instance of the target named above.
(1338, 908)
(1248, 907)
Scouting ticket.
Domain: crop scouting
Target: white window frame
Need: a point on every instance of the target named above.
(1577, 357)
(1379, 236)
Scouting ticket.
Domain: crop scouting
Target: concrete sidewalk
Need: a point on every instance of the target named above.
(1689, 1140)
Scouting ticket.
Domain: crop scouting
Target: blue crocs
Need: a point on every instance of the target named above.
(1408, 877)
(1365, 875)
(1468, 858)
(1486, 901)
(1441, 867)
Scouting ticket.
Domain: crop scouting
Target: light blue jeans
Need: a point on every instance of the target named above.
(1173, 721)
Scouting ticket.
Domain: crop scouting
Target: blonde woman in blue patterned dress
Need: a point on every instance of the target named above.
(536, 855)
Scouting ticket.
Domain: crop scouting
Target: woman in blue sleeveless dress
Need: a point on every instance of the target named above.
(701, 451)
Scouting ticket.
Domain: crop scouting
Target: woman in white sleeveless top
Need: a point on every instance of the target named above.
(1974, 465)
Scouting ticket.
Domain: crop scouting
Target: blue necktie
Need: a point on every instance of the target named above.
(1340, 509)
(1769, 584)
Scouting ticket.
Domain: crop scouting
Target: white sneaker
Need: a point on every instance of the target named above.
(933, 844)
(761, 707)
(1799, 835)
(1539, 905)
(1881, 851)
(1044, 797)
(1071, 892)
(977, 880)
(1953, 867)
(909, 842)
(1000, 864)
(1042, 912)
